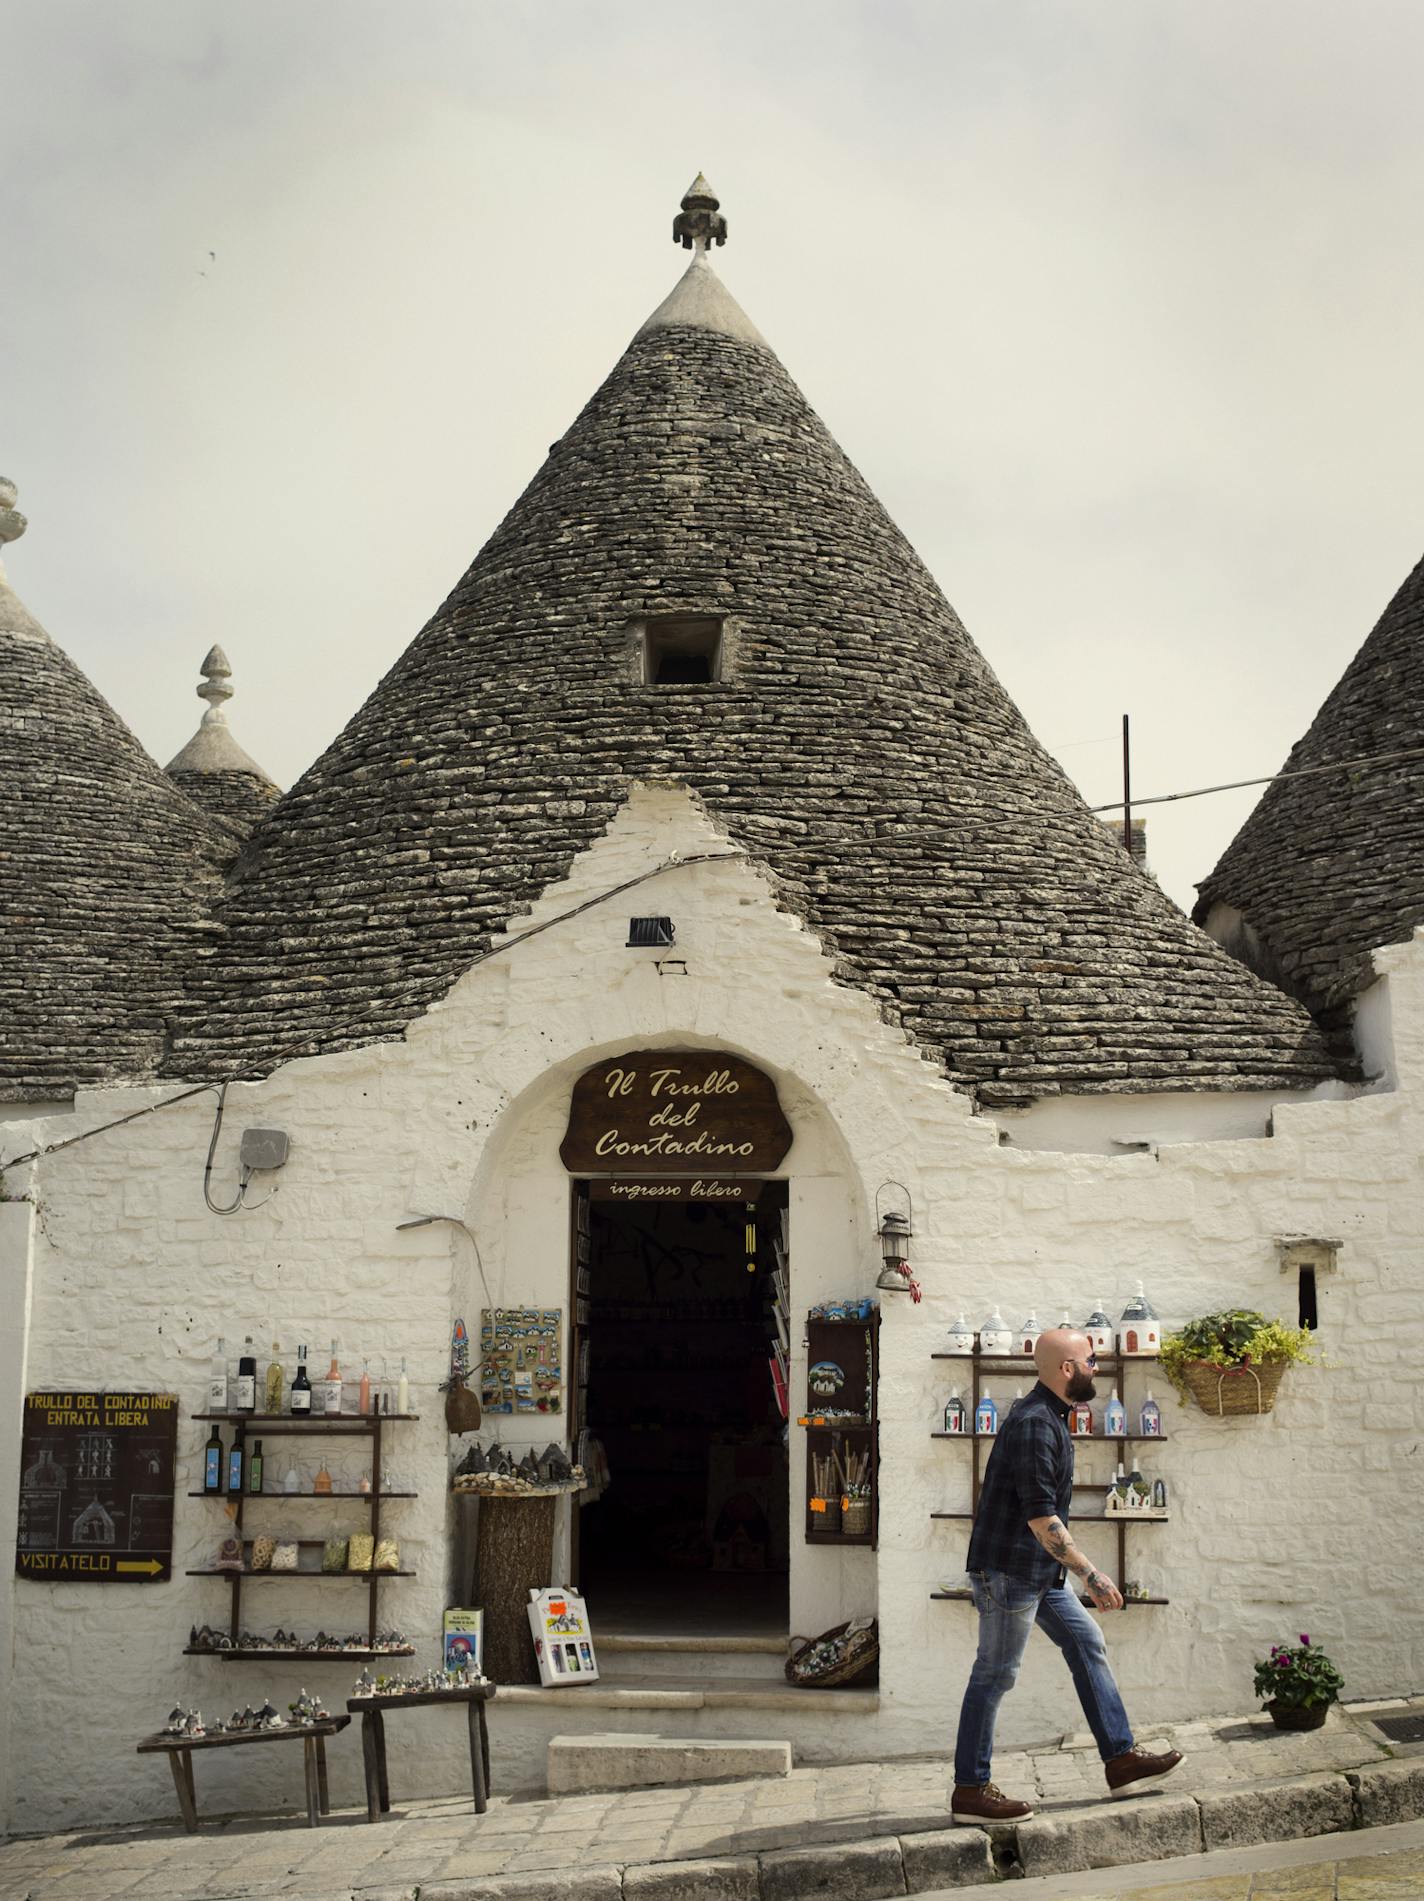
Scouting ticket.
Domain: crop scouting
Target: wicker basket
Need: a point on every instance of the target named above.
(855, 1516)
(1223, 1390)
(858, 1661)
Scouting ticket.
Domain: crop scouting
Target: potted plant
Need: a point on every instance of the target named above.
(1298, 1683)
(1233, 1362)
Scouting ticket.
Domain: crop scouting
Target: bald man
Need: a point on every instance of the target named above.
(1018, 1555)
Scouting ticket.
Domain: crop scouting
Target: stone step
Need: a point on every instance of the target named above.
(688, 1693)
(618, 1760)
(622, 1655)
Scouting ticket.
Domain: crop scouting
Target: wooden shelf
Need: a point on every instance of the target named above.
(1020, 1360)
(279, 1651)
(967, 1597)
(840, 1537)
(278, 1425)
(321, 1577)
(1078, 1438)
(296, 1498)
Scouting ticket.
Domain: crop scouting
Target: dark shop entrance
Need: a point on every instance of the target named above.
(680, 1348)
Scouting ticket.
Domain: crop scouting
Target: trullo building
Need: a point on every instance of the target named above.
(687, 897)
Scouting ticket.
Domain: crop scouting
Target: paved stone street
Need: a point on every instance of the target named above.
(884, 1825)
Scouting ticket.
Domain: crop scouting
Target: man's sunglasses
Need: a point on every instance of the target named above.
(1091, 1360)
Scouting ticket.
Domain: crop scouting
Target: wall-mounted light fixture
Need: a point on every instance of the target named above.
(895, 1225)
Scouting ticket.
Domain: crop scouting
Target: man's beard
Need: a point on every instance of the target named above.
(1081, 1387)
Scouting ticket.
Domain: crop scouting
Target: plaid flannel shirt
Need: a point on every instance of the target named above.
(1029, 1475)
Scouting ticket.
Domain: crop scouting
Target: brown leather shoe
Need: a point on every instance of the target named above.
(970, 1805)
(1126, 1774)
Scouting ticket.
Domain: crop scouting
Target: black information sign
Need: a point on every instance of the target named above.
(96, 1487)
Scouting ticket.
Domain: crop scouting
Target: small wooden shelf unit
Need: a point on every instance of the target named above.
(294, 1426)
(854, 1345)
(1007, 1363)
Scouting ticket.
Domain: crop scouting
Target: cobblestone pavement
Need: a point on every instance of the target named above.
(441, 1843)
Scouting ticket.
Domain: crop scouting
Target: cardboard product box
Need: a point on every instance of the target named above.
(563, 1642)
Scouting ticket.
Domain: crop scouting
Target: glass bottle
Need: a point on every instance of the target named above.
(322, 1482)
(274, 1386)
(954, 1412)
(292, 1483)
(364, 1401)
(217, 1380)
(301, 1385)
(403, 1391)
(235, 1464)
(245, 1400)
(1150, 1424)
(213, 1458)
(254, 1469)
(332, 1384)
(1115, 1418)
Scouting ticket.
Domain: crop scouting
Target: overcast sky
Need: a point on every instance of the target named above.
(1116, 304)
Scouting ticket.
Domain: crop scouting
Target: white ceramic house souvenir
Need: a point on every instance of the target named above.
(1099, 1330)
(1139, 1332)
(994, 1336)
(1028, 1336)
(961, 1336)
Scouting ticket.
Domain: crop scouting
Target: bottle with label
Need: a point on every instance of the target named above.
(1150, 1425)
(254, 1469)
(213, 1458)
(236, 1461)
(986, 1416)
(301, 1386)
(331, 1385)
(1115, 1418)
(275, 1384)
(245, 1399)
(954, 1412)
(403, 1390)
(364, 1400)
(1080, 1421)
(217, 1380)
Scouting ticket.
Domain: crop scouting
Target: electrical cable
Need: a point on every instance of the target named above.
(1237, 785)
(672, 863)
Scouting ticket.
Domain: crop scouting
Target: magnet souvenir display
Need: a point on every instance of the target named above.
(520, 1368)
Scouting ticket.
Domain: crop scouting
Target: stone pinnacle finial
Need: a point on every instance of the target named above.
(12, 522)
(699, 224)
(215, 689)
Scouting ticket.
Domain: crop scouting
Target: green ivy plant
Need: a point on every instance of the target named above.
(1298, 1676)
(1239, 1337)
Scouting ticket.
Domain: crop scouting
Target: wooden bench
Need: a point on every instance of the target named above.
(372, 1709)
(179, 1751)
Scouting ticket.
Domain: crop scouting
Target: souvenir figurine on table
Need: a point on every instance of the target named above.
(961, 1336)
(994, 1337)
(1028, 1334)
(1099, 1330)
(1139, 1332)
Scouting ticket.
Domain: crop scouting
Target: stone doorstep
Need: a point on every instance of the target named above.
(582, 1764)
(688, 1693)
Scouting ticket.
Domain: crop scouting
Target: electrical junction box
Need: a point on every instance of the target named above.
(263, 1148)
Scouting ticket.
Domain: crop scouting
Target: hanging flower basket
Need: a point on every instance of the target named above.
(1224, 1390)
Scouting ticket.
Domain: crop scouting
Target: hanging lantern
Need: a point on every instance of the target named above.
(895, 1229)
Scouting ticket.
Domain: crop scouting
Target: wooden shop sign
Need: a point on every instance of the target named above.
(96, 1488)
(633, 1192)
(673, 1112)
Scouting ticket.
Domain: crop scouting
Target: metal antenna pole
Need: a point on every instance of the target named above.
(1127, 786)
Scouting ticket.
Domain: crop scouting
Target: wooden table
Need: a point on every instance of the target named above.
(372, 1709)
(179, 1751)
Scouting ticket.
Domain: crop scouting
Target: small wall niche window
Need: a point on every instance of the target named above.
(682, 650)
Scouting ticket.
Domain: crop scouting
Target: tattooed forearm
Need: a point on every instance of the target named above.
(1053, 1535)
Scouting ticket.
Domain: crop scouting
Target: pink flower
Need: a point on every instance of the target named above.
(1305, 1640)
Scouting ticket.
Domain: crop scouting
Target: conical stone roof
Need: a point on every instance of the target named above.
(215, 772)
(106, 873)
(1330, 867)
(857, 745)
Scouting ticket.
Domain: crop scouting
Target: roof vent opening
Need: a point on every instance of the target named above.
(682, 650)
(650, 931)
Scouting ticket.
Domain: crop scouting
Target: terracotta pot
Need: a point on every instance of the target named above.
(1294, 1716)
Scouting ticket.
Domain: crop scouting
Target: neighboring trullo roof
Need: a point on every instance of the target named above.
(213, 769)
(106, 870)
(858, 746)
(1328, 868)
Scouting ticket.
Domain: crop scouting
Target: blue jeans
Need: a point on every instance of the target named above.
(1008, 1610)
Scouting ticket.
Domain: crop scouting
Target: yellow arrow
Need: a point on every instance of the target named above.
(151, 1565)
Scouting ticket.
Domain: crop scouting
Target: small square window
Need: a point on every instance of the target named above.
(682, 650)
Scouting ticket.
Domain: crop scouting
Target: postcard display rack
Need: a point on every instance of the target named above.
(1006, 1365)
(369, 1426)
(842, 1377)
